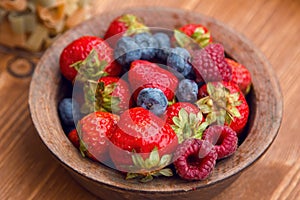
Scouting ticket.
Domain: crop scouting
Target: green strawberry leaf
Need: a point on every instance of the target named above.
(133, 25)
(220, 106)
(235, 112)
(154, 157)
(147, 178)
(187, 125)
(131, 175)
(138, 160)
(183, 115)
(202, 38)
(185, 41)
(176, 121)
(165, 160)
(82, 148)
(211, 90)
(91, 68)
(166, 172)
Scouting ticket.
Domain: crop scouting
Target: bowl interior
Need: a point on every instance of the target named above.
(265, 101)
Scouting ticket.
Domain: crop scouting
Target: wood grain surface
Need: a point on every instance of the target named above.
(28, 171)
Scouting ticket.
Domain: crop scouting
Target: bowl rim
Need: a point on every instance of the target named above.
(277, 106)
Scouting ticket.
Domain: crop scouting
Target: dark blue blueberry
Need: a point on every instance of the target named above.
(188, 72)
(162, 39)
(178, 60)
(162, 54)
(126, 51)
(187, 91)
(153, 99)
(147, 44)
(68, 129)
(66, 112)
(164, 46)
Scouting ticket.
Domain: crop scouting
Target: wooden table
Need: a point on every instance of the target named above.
(28, 171)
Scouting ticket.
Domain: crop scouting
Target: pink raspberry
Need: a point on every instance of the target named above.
(210, 64)
(224, 138)
(195, 159)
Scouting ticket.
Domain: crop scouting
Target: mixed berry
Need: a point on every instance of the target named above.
(152, 102)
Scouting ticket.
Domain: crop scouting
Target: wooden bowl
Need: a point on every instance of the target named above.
(265, 101)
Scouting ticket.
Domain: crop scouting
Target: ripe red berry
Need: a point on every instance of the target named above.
(74, 138)
(223, 138)
(145, 74)
(76, 54)
(95, 129)
(126, 24)
(195, 159)
(224, 103)
(210, 65)
(240, 75)
(173, 110)
(139, 131)
(198, 32)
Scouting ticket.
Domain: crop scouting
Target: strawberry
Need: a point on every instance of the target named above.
(186, 120)
(74, 138)
(210, 65)
(173, 110)
(110, 94)
(224, 103)
(142, 144)
(94, 131)
(240, 75)
(144, 74)
(126, 25)
(75, 55)
(199, 33)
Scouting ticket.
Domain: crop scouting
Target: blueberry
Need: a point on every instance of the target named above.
(187, 91)
(148, 45)
(162, 54)
(153, 99)
(178, 60)
(68, 129)
(188, 71)
(126, 51)
(164, 46)
(66, 112)
(162, 39)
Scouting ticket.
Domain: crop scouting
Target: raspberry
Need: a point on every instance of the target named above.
(210, 64)
(195, 159)
(224, 138)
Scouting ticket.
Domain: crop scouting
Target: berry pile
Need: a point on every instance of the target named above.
(147, 100)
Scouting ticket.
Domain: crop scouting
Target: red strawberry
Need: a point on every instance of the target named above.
(144, 74)
(110, 94)
(73, 57)
(142, 142)
(126, 24)
(240, 75)
(173, 110)
(198, 32)
(74, 138)
(95, 130)
(210, 64)
(224, 103)
(186, 120)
